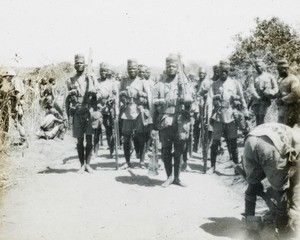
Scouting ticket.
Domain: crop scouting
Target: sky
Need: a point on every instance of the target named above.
(42, 32)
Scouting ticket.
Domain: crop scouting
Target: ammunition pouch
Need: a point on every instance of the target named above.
(183, 127)
(96, 119)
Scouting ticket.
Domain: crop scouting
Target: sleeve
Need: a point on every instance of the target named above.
(293, 96)
(271, 88)
(253, 91)
(242, 99)
(209, 102)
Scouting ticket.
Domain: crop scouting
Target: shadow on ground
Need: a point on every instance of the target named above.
(65, 160)
(53, 170)
(229, 227)
(141, 180)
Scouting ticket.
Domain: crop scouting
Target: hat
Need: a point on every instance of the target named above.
(224, 66)
(9, 72)
(143, 67)
(201, 70)
(132, 62)
(172, 58)
(283, 63)
(79, 57)
(259, 62)
(104, 65)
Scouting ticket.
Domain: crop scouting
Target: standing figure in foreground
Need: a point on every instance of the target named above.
(170, 119)
(222, 93)
(288, 96)
(272, 151)
(107, 91)
(136, 97)
(264, 89)
(81, 95)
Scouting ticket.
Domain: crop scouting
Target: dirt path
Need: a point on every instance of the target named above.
(49, 200)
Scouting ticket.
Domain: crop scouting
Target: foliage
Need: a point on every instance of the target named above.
(270, 40)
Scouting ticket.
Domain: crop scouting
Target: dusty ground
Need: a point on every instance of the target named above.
(44, 198)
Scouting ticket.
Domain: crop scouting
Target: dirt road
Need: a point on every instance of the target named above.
(49, 200)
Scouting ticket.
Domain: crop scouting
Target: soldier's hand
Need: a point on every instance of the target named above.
(171, 101)
(279, 102)
(153, 133)
(73, 92)
(159, 102)
(217, 97)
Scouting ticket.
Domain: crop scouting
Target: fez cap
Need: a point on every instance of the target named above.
(283, 63)
(224, 66)
(104, 65)
(259, 62)
(132, 61)
(201, 70)
(143, 67)
(172, 58)
(79, 57)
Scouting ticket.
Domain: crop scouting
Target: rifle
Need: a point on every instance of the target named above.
(116, 133)
(153, 165)
(205, 141)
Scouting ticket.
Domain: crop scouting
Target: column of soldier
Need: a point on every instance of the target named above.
(135, 110)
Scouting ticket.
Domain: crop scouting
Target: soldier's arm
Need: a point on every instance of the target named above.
(253, 90)
(294, 95)
(242, 99)
(209, 102)
(272, 87)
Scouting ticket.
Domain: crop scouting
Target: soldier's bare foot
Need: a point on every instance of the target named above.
(88, 168)
(142, 165)
(178, 182)
(126, 166)
(183, 166)
(81, 170)
(168, 182)
(211, 170)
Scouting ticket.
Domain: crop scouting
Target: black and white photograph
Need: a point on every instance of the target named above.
(149, 120)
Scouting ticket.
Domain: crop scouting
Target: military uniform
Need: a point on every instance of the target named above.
(171, 120)
(221, 112)
(82, 100)
(288, 101)
(12, 100)
(107, 92)
(264, 88)
(272, 151)
(135, 96)
(201, 94)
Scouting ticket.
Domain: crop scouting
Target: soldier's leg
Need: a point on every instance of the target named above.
(179, 147)
(282, 217)
(196, 134)
(80, 151)
(214, 152)
(127, 131)
(109, 135)
(218, 129)
(231, 133)
(166, 142)
(126, 147)
(250, 198)
(88, 152)
(96, 140)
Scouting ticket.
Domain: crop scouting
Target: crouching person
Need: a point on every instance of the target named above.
(272, 151)
(51, 127)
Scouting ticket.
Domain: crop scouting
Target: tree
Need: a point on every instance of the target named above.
(270, 40)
